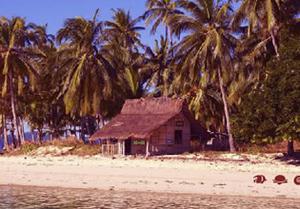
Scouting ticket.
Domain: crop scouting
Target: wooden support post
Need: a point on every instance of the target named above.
(108, 147)
(119, 148)
(123, 147)
(147, 148)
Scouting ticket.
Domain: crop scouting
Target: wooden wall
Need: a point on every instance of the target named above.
(162, 140)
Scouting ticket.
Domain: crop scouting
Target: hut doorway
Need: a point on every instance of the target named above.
(127, 146)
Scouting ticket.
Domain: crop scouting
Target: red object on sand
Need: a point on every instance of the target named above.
(297, 180)
(280, 179)
(259, 179)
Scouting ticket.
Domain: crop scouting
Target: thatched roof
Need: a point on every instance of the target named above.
(140, 117)
(152, 106)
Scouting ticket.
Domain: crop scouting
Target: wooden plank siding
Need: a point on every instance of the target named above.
(162, 140)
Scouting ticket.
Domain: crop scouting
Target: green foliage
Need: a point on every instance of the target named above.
(19, 42)
(158, 12)
(160, 68)
(86, 78)
(122, 49)
(270, 112)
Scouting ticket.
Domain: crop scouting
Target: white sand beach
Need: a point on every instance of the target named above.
(154, 174)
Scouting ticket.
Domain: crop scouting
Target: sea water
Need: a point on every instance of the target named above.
(41, 197)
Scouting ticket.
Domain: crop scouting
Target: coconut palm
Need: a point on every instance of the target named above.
(159, 63)
(123, 29)
(41, 106)
(122, 49)
(87, 79)
(19, 52)
(265, 17)
(158, 12)
(205, 53)
(127, 65)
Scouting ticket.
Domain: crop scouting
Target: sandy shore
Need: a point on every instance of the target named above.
(155, 175)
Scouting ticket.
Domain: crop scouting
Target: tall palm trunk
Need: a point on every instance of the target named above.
(274, 43)
(13, 137)
(21, 130)
(6, 147)
(290, 148)
(32, 135)
(82, 124)
(40, 135)
(167, 33)
(226, 112)
(171, 43)
(13, 109)
(169, 37)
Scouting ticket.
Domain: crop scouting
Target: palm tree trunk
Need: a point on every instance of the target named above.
(21, 131)
(171, 44)
(32, 135)
(82, 133)
(13, 137)
(290, 148)
(167, 33)
(6, 146)
(13, 108)
(274, 43)
(226, 112)
(40, 135)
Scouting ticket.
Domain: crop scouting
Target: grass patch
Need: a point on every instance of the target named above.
(69, 146)
(28, 147)
(84, 150)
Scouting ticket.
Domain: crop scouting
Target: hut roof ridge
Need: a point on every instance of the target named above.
(161, 105)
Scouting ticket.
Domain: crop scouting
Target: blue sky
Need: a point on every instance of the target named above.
(54, 12)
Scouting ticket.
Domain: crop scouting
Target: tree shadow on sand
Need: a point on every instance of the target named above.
(290, 160)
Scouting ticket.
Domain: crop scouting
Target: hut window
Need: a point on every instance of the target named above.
(178, 137)
(179, 123)
(139, 142)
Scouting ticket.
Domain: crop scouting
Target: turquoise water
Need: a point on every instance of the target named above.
(16, 197)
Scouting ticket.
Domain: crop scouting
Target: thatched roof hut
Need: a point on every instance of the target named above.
(140, 117)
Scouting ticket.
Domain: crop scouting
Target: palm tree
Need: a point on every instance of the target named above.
(122, 49)
(88, 78)
(205, 53)
(158, 12)
(159, 63)
(123, 29)
(265, 17)
(19, 52)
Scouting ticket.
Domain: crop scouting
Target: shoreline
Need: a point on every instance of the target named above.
(150, 175)
(145, 192)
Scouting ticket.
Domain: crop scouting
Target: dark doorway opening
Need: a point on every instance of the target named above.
(178, 137)
(128, 147)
